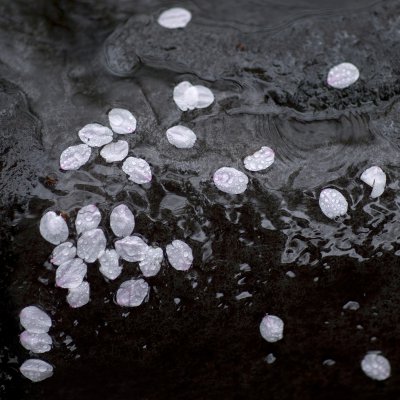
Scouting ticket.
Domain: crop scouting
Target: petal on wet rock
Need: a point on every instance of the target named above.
(151, 264)
(205, 96)
(185, 96)
(70, 274)
(332, 203)
(137, 169)
(230, 180)
(116, 151)
(173, 18)
(74, 157)
(376, 366)
(35, 320)
(343, 75)
(63, 253)
(36, 370)
(109, 264)
(131, 248)
(180, 255)
(132, 293)
(260, 160)
(53, 228)
(91, 245)
(122, 121)
(88, 218)
(79, 296)
(271, 328)
(95, 135)
(122, 221)
(181, 137)
(35, 342)
(376, 178)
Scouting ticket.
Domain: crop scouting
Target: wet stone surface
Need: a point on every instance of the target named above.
(268, 249)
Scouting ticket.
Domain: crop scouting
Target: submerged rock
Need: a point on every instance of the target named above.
(132, 293)
(180, 255)
(36, 370)
(35, 320)
(53, 228)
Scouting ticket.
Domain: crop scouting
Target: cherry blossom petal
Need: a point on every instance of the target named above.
(70, 274)
(35, 342)
(132, 293)
(122, 221)
(138, 170)
(95, 135)
(115, 151)
(332, 203)
(376, 366)
(74, 157)
(343, 75)
(53, 228)
(180, 255)
(271, 328)
(109, 264)
(131, 248)
(35, 320)
(63, 253)
(88, 218)
(260, 160)
(185, 96)
(36, 370)
(151, 264)
(91, 245)
(79, 296)
(230, 180)
(205, 96)
(181, 137)
(122, 121)
(176, 17)
(376, 178)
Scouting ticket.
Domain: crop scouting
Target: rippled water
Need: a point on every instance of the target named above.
(64, 65)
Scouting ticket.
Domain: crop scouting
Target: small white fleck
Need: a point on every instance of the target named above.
(270, 359)
(176, 17)
(351, 305)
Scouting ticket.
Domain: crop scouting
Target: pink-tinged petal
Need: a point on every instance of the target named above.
(88, 218)
(343, 75)
(132, 293)
(332, 203)
(36, 370)
(36, 342)
(260, 160)
(74, 157)
(35, 320)
(70, 274)
(131, 248)
(116, 151)
(91, 245)
(151, 264)
(230, 180)
(137, 169)
(180, 255)
(53, 228)
(79, 296)
(109, 264)
(122, 221)
(62, 253)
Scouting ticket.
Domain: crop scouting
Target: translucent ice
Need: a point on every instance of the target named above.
(88, 218)
(376, 178)
(131, 248)
(74, 157)
(151, 264)
(34, 320)
(332, 203)
(122, 121)
(181, 137)
(70, 274)
(343, 75)
(230, 180)
(174, 18)
(138, 170)
(79, 296)
(132, 293)
(376, 366)
(36, 370)
(35, 342)
(62, 253)
(260, 160)
(271, 328)
(189, 97)
(109, 264)
(179, 255)
(95, 135)
(115, 151)
(53, 228)
(91, 245)
(122, 221)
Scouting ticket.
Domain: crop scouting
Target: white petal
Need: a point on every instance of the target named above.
(62, 253)
(34, 320)
(35, 342)
(95, 135)
(53, 228)
(185, 96)
(332, 203)
(88, 218)
(205, 96)
(376, 178)
(122, 221)
(181, 137)
(70, 274)
(132, 293)
(138, 170)
(260, 160)
(351, 305)
(131, 248)
(74, 157)
(174, 18)
(79, 296)
(271, 328)
(230, 180)
(36, 370)
(109, 264)
(343, 75)
(91, 245)
(375, 366)
(151, 264)
(122, 121)
(115, 151)
(180, 255)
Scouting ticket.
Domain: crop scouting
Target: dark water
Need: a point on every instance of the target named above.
(65, 64)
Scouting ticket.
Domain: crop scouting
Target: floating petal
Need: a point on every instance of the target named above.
(36, 370)
(174, 18)
(122, 221)
(271, 328)
(34, 320)
(181, 137)
(88, 218)
(151, 264)
(332, 203)
(63, 253)
(122, 121)
(230, 180)
(91, 245)
(95, 135)
(35, 342)
(205, 96)
(179, 255)
(79, 296)
(343, 75)
(260, 160)
(138, 170)
(70, 274)
(109, 264)
(74, 157)
(185, 96)
(376, 366)
(131, 248)
(116, 151)
(53, 228)
(132, 293)
(376, 178)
